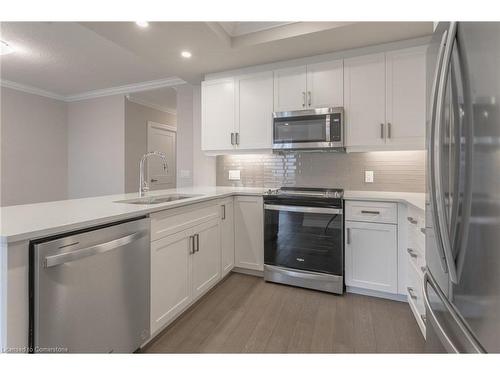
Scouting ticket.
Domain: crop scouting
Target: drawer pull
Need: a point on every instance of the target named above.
(422, 230)
(423, 269)
(412, 220)
(412, 253)
(370, 212)
(410, 293)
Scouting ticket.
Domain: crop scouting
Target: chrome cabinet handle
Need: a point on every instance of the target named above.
(303, 99)
(197, 240)
(191, 245)
(223, 212)
(422, 230)
(412, 220)
(388, 130)
(154, 180)
(382, 130)
(232, 139)
(410, 293)
(423, 317)
(237, 138)
(310, 100)
(70, 256)
(370, 212)
(412, 253)
(348, 232)
(423, 269)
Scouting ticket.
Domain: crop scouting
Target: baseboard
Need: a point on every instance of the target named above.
(248, 272)
(376, 293)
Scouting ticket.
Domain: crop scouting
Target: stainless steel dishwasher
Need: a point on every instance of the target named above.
(89, 290)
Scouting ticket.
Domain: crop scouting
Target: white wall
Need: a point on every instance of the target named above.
(96, 147)
(33, 148)
(190, 159)
(136, 138)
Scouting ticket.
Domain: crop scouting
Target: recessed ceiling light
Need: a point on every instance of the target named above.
(142, 24)
(186, 54)
(5, 48)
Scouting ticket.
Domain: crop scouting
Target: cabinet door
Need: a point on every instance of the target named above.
(365, 100)
(206, 259)
(371, 256)
(249, 232)
(290, 89)
(405, 73)
(217, 114)
(227, 236)
(170, 279)
(325, 84)
(254, 108)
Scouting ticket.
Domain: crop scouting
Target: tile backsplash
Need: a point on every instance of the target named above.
(393, 170)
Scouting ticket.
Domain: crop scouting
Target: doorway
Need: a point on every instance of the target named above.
(162, 137)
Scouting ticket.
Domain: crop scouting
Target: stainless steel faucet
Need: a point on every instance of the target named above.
(143, 184)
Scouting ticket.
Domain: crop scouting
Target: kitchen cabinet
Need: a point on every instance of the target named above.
(170, 278)
(227, 236)
(385, 98)
(237, 113)
(249, 232)
(185, 259)
(365, 100)
(315, 85)
(218, 114)
(371, 256)
(254, 109)
(206, 267)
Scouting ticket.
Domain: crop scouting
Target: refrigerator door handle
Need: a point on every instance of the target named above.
(432, 318)
(432, 142)
(442, 229)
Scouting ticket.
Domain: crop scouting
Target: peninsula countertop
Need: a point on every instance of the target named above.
(31, 221)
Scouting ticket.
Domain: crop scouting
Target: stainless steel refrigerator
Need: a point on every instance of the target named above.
(462, 282)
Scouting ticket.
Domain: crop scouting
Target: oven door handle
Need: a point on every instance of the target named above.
(311, 210)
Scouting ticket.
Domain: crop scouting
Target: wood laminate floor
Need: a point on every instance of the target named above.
(244, 314)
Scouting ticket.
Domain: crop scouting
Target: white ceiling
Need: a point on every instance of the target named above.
(69, 58)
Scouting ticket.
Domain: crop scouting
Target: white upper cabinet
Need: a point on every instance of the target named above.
(385, 98)
(325, 84)
(405, 103)
(290, 89)
(315, 85)
(365, 100)
(254, 108)
(218, 114)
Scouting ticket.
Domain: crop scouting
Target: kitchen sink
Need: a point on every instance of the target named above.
(158, 199)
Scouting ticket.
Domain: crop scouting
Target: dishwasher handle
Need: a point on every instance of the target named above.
(70, 256)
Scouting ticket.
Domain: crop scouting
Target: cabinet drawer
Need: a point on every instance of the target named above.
(165, 223)
(414, 289)
(374, 212)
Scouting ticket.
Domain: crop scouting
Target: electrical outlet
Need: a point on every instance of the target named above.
(234, 174)
(369, 176)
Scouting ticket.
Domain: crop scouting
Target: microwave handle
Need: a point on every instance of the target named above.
(327, 129)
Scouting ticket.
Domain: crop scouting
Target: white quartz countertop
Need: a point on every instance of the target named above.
(39, 220)
(416, 200)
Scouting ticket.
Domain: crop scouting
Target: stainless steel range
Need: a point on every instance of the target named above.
(303, 238)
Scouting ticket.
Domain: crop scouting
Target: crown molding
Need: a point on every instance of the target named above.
(125, 89)
(31, 90)
(151, 105)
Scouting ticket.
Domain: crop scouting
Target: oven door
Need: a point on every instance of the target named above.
(304, 238)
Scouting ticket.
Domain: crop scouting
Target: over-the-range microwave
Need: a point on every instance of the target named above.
(320, 128)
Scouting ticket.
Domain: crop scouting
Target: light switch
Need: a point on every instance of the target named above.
(369, 176)
(234, 174)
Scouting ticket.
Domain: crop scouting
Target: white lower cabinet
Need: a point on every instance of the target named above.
(249, 232)
(185, 264)
(371, 256)
(170, 278)
(227, 235)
